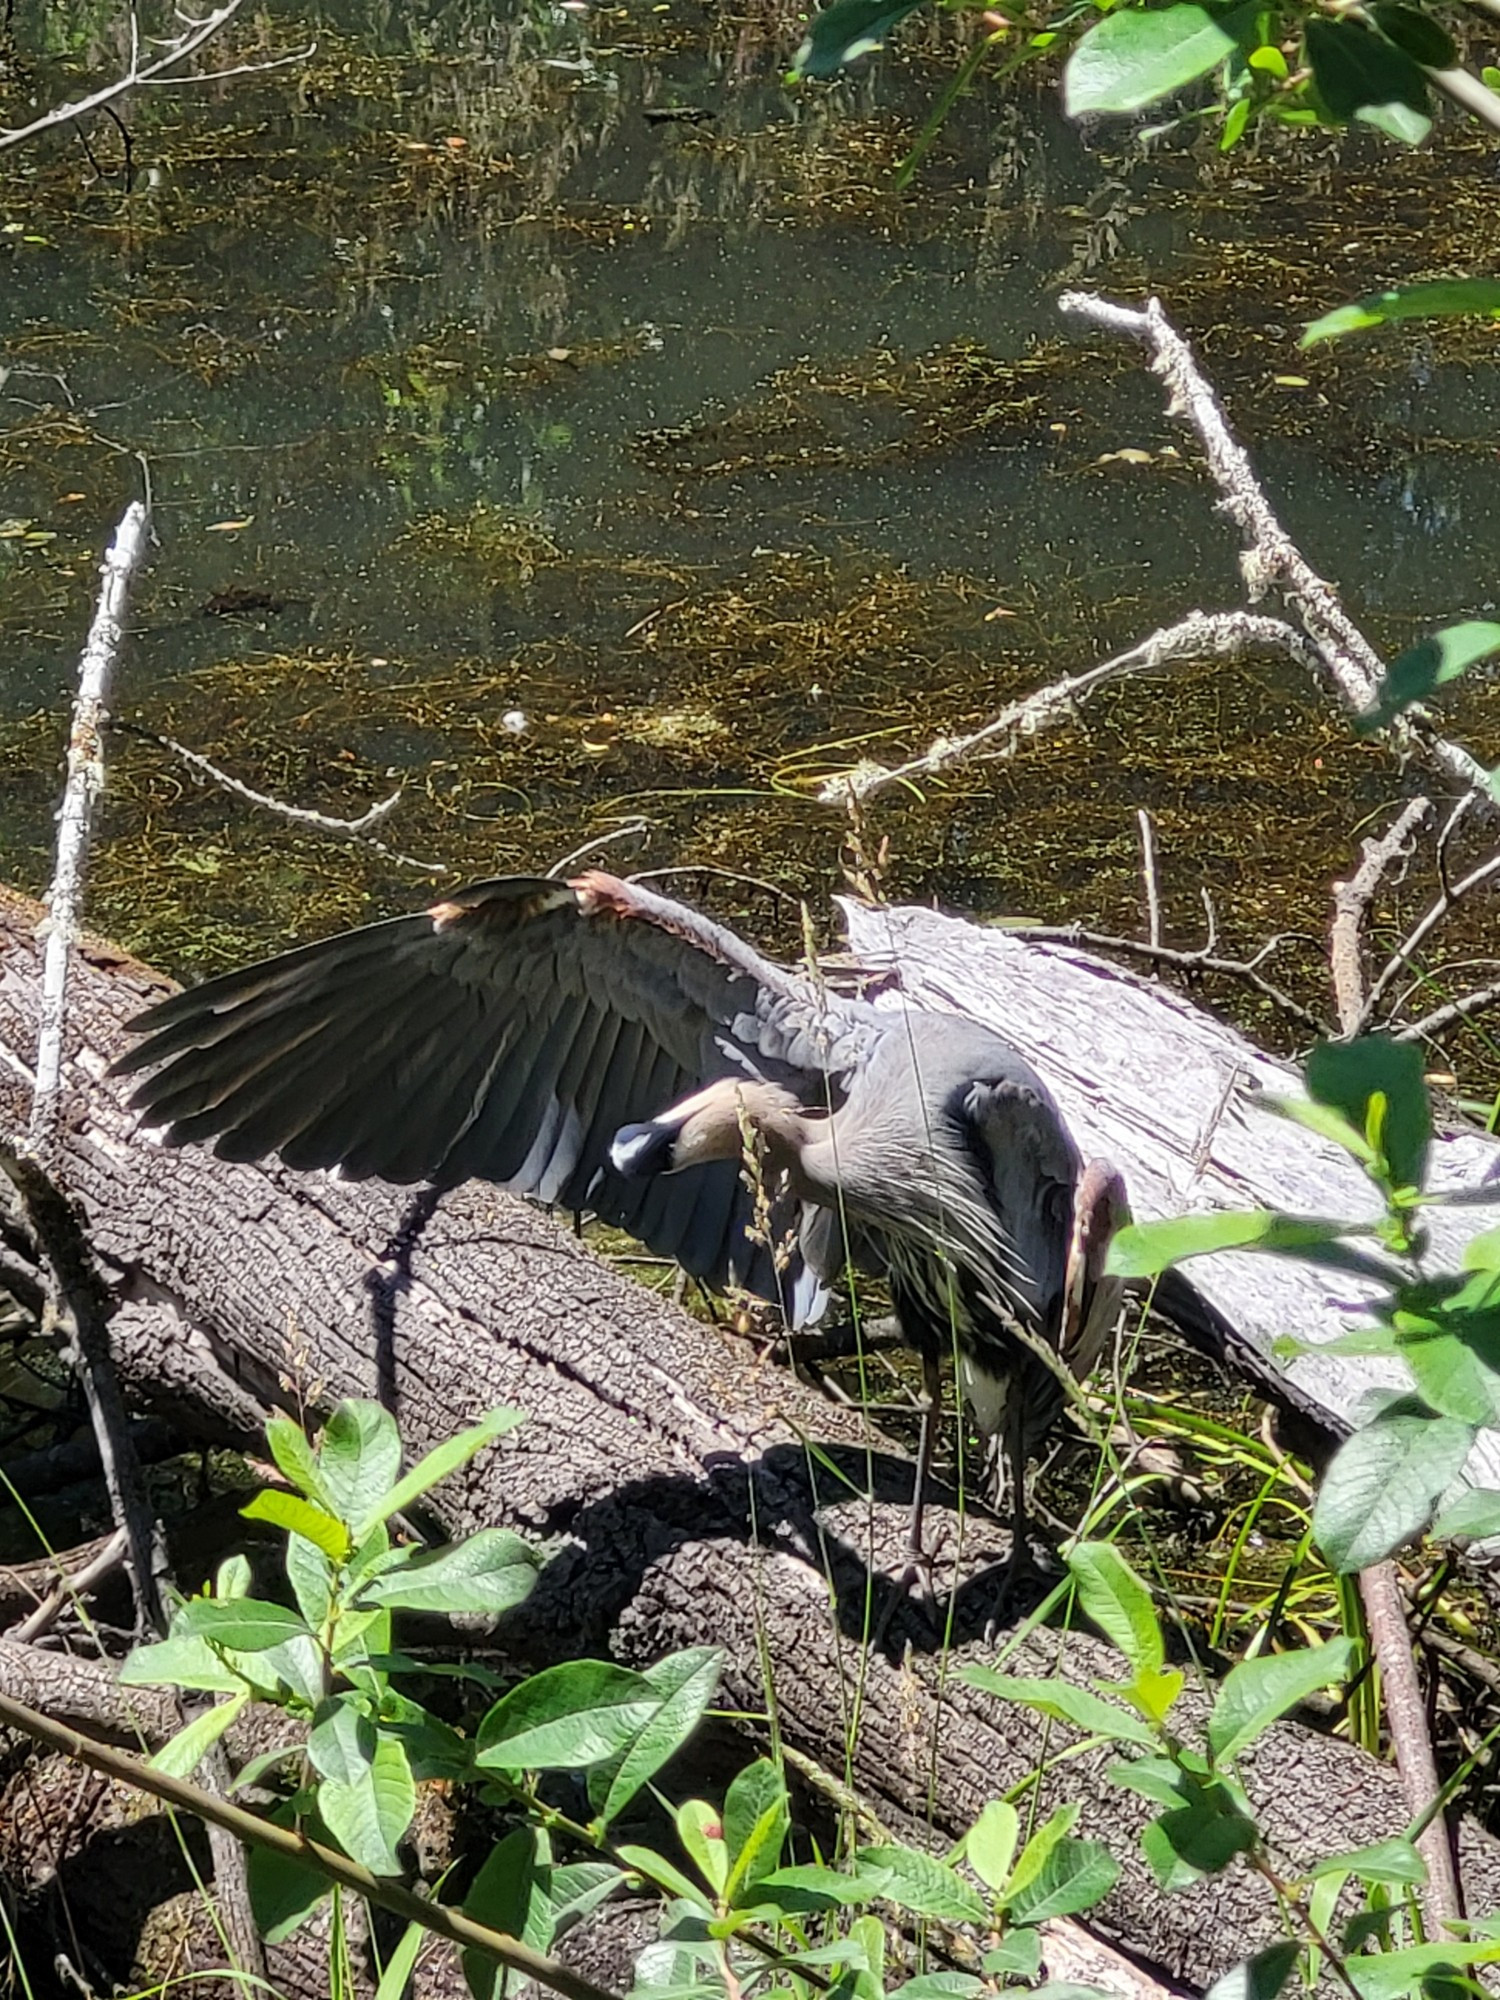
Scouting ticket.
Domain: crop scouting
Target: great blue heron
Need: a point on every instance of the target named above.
(605, 1049)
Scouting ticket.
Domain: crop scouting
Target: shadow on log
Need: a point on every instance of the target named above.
(664, 1469)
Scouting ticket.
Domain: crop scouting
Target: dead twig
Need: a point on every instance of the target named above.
(1204, 960)
(1451, 894)
(341, 829)
(1149, 877)
(1351, 904)
(103, 1563)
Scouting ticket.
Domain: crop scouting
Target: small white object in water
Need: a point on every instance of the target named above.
(515, 721)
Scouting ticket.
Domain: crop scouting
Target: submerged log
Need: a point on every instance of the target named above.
(665, 1469)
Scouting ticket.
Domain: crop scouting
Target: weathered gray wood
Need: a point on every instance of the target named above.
(1168, 1092)
(664, 1467)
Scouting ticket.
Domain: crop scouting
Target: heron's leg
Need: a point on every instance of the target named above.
(932, 1404)
(1020, 1566)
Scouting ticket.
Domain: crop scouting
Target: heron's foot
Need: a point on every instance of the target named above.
(1023, 1584)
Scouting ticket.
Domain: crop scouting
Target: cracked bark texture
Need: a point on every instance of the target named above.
(663, 1468)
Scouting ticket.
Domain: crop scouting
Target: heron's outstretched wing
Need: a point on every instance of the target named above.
(505, 1034)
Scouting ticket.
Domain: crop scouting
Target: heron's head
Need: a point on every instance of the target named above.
(715, 1123)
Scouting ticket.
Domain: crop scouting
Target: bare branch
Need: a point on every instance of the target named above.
(1205, 960)
(154, 72)
(1200, 635)
(75, 818)
(1351, 904)
(1462, 88)
(342, 829)
(1149, 876)
(1425, 925)
(1451, 1012)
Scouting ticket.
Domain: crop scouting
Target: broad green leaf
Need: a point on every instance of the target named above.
(1384, 1482)
(397, 1971)
(283, 1893)
(1133, 57)
(1017, 1956)
(1415, 33)
(295, 1456)
(1116, 1600)
(665, 1874)
(1197, 1839)
(489, 1572)
(1143, 1249)
(1159, 1779)
(232, 1578)
(500, 1897)
(1394, 1975)
(434, 1749)
(295, 1665)
(311, 1575)
(179, 1660)
(1439, 298)
(181, 1754)
(368, 1814)
(1258, 1692)
(701, 1832)
(940, 1986)
(245, 1624)
(1154, 1691)
(300, 1517)
(990, 1844)
(808, 1886)
(1075, 1876)
(757, 1818)
(1064, 1702)
(1451, 1354)
(450, 1456)
(1360, 76)
(685, 1682)
(1347, 1076)
(1259, 1978)
(1482, 1252)
(1394, 1861)
(341, 1742)
(845, 30)
(1039, 1849)
(1417, 673)
(566, 1718)
(1475, 1513)
(1322, 1119)
(920, 1884)
(359, 1460)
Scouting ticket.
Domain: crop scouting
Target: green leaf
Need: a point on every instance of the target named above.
(489, 1572)
(1259, 1978)
(1475, 1513)
(1418, 672)
(1064, 1702)
(919, 1883)
(990, 1844)
(1415, 33)
(1154, 1691)
(808, 1887)
(341, 1742)
(232, 1578)
(1134, 57)
(566, 1718)
(295, 1456)
(245, 1624)
(1197, 1839)
(1360, 76)
(1328, 1124)
(845, 30)
(1393, 1861)
(300, 1517)
(438, 1463)
(685, 1682)
(1394, 1975)
(1160, 1779)
(1038, 1850)
(1075, 1875)
(1349, 1076)
(701, 1832)
(368, 1814)
(1258, 1692)
(1439, 298)
(1143, 1249)
(181, 1754)
(359, 1459)
(311, 1575)
(179, 1661)
(434, 1748)
(1017, 1956)
(1117, 1601)
(756, 1821)
(940, 1986)
(665, 1874)
(1384, 1482)
(1451, 1356)
(500, 1897)
(399, 1967)
(283, 1893)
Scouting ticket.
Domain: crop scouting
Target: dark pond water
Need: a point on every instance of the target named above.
(572, 464)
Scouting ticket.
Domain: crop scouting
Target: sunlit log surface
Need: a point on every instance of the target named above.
(1169, 1092)
(664, 1468)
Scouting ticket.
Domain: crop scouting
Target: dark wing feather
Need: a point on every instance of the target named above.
(507, 1034)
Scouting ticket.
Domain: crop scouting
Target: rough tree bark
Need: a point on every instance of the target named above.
(664, 1469)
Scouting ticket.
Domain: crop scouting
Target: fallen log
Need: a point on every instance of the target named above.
(665, 1471)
